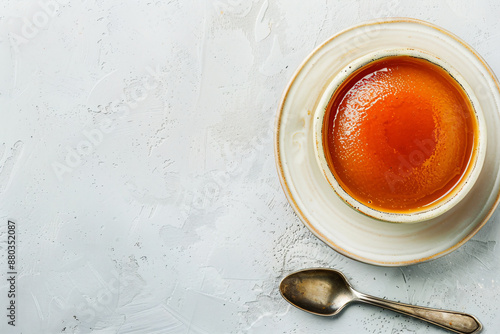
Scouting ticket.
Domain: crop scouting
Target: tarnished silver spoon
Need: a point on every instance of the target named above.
(326, 292)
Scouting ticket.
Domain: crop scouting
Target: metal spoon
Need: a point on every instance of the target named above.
(326, 292)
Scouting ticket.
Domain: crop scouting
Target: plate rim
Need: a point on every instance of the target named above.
(279, 163)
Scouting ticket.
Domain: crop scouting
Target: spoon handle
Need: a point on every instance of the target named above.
(454, 321)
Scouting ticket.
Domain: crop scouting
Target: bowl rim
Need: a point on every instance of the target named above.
(458, 191)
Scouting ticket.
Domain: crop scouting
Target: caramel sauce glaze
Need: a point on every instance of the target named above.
(399, 134)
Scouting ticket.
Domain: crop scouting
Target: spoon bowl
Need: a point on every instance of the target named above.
(326, 292)
(319, 291)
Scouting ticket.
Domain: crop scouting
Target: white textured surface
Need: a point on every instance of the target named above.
(174, 220)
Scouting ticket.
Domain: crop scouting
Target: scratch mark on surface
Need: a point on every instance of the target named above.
(152, 211)
(201, 55)
(262, 29)
(192, 328)
(403, 273)
(481, 261)
(136, 222)
(38, 308)
(322, 24)
(7, 168)
(158, 138)
(97, 84)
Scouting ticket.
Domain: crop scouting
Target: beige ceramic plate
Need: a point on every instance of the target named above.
(345, 230)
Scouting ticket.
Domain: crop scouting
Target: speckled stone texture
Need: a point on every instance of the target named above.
(136, 158)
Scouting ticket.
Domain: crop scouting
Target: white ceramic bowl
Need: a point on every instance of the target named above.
(454, 196)
(349, 232)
